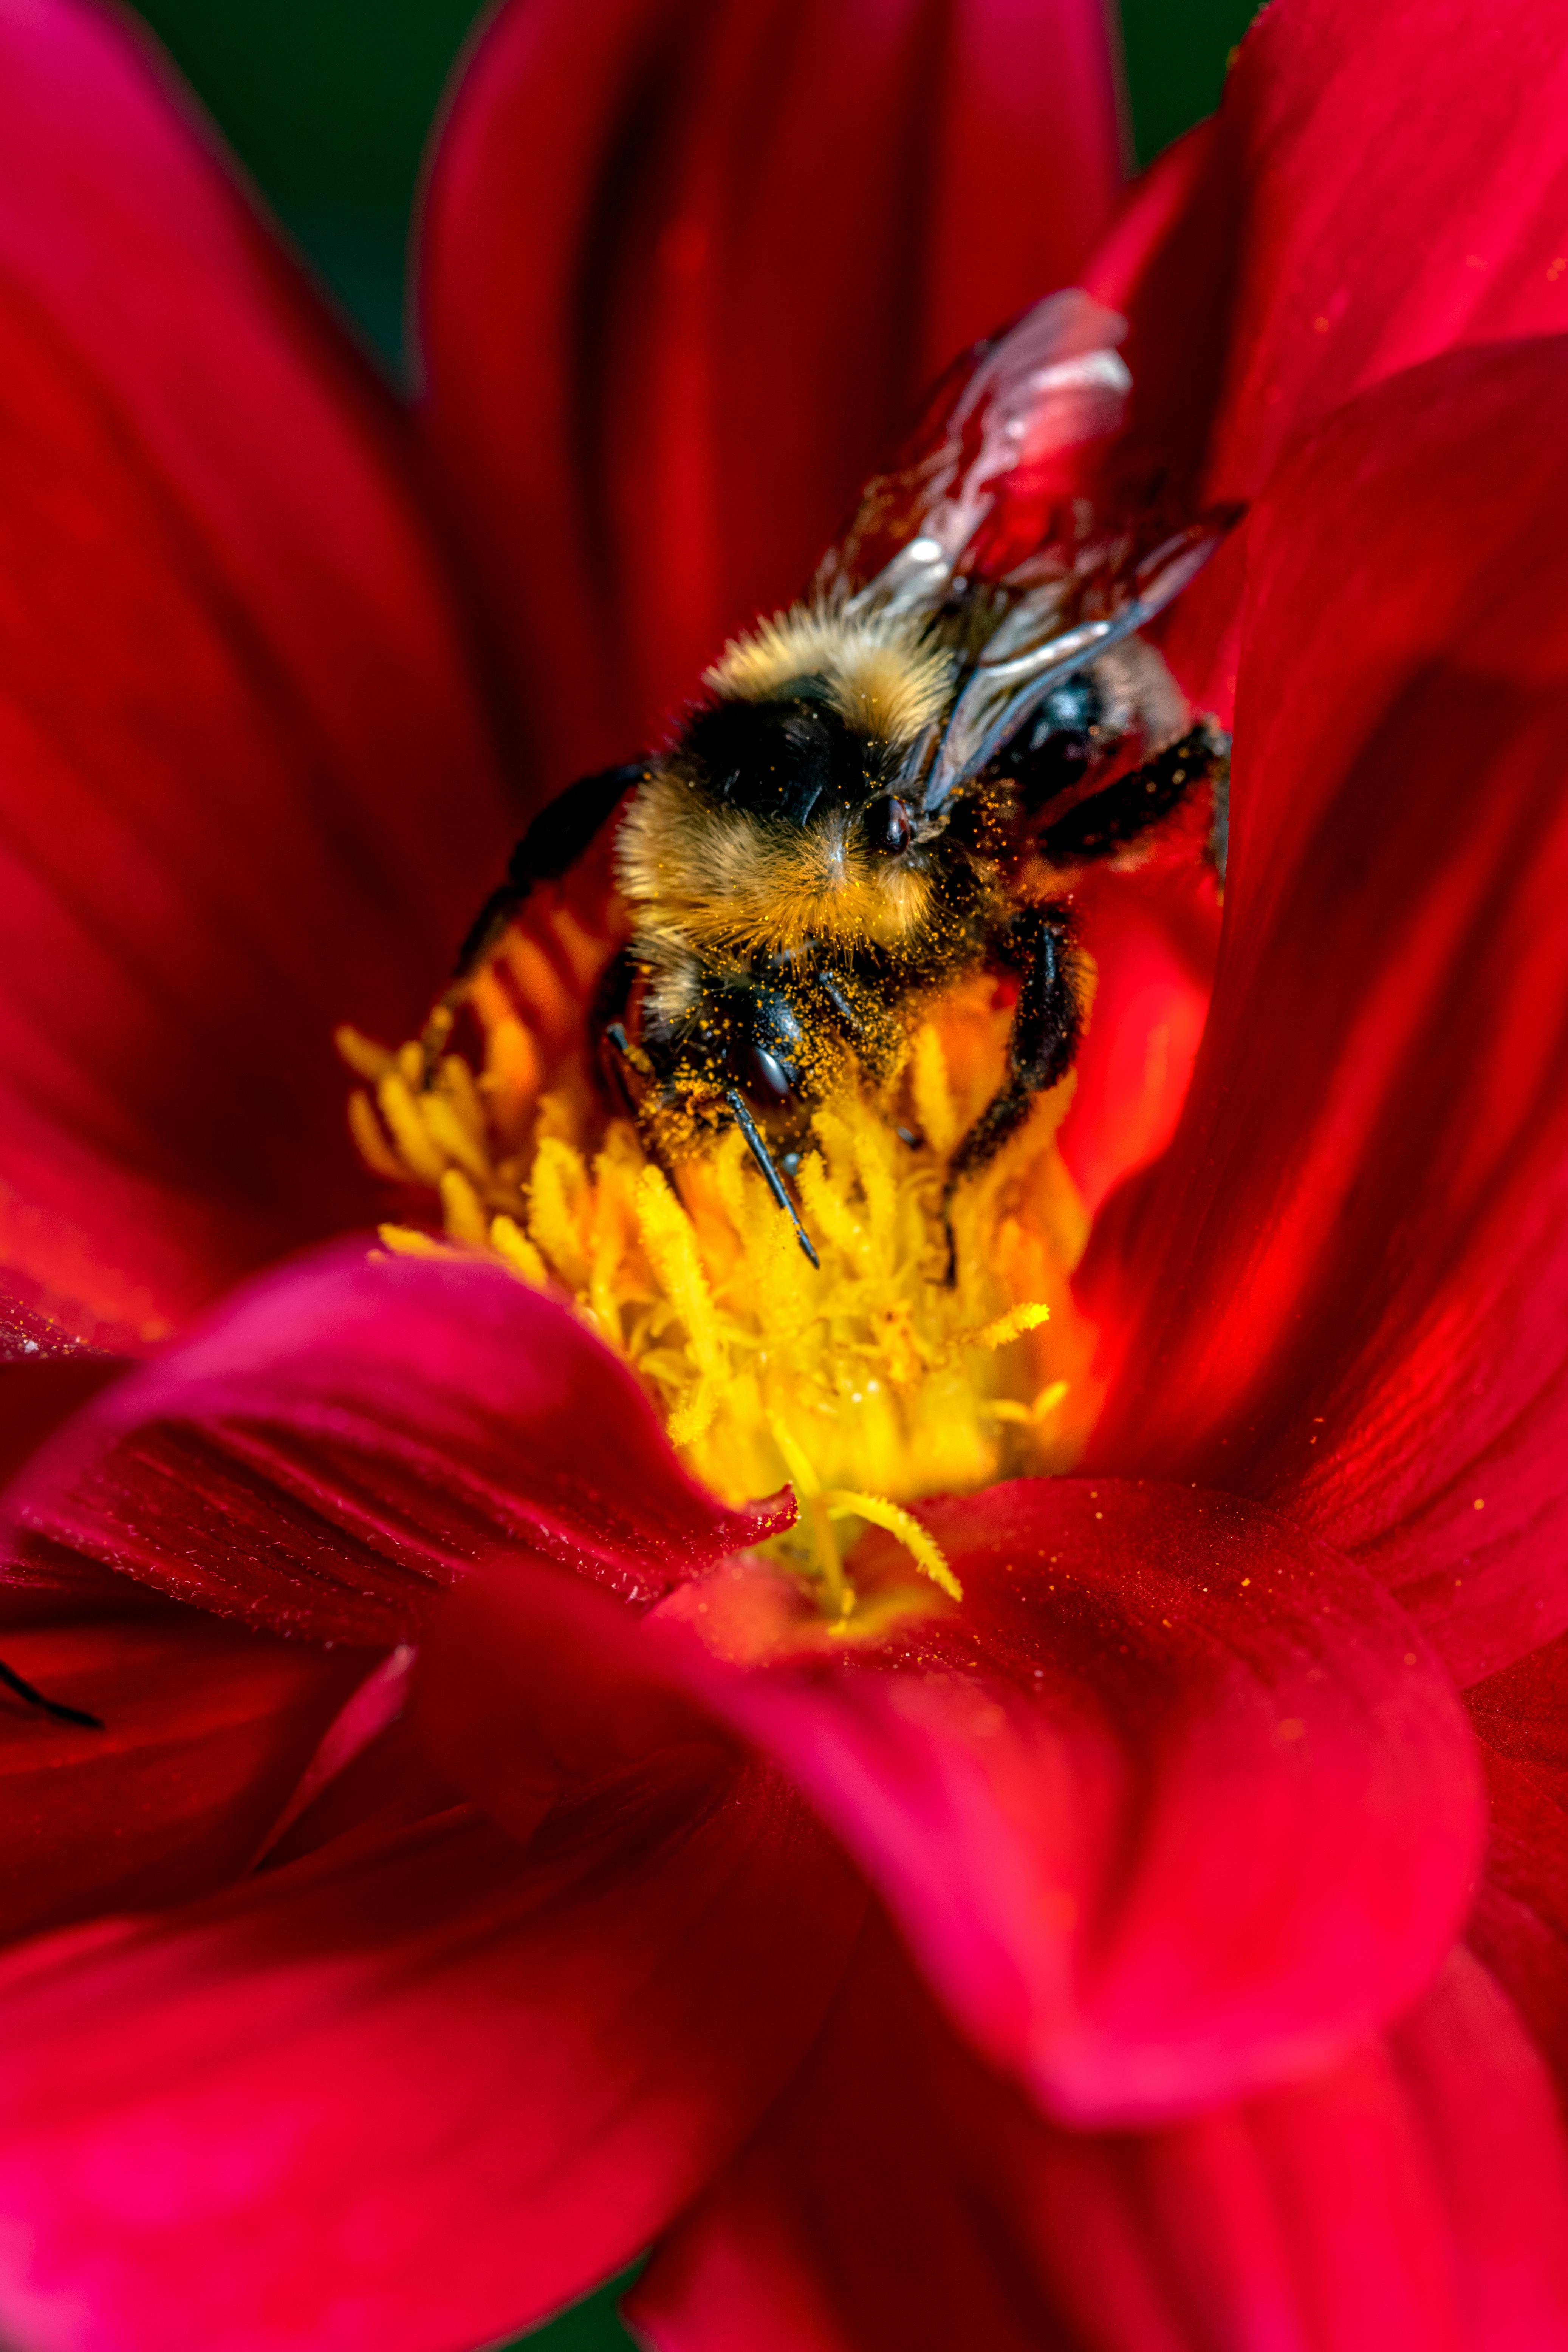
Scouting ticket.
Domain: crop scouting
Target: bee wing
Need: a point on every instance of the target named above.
(1028, 656)
(1053, 380)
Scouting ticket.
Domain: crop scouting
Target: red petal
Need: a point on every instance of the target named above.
(43, 1380)
(1521, 1922)
(686, 271)
(412, 2093)
(1466, 177)
(206, 1730)
(1152, 938)
(1415, 2199)
(1155, 1834)
(244, 789)
(347, 1435)
(1384, 183)
(1342, 1294)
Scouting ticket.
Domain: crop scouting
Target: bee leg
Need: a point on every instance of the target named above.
(1041, 1047)
(553, 842)
(1135, 803)
(771, 1177)
(56, 1707)
(843, 1011)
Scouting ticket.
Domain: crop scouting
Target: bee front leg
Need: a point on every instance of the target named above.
(560, 835)
(1042, 1046)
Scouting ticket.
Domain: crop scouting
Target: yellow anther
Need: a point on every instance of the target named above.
(1013, 1325)
(457, 1083)
(364, 1057)
(407, 1241)
(1050, 1397)
(934, 1106)
(827, 1210)
(873, 1148)
(449, 1135)
(671, 1245)
(898, 1344)
(614, 1222)
(845, 1503)
(508, 1241)
(411, 1063)
(509, 1084)
(370, 1139)
(555, 1194)
(827, 1558)
(802, 1476)
(462, 1212)
(693, 1416)
(399, 1106)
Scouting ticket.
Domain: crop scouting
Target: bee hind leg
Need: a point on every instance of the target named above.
(1041, 1047)
(55, 1707)
(1135, 803)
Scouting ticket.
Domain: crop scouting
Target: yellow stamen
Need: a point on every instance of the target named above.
(510, 1242)
(555, 1201)
(449, 1134)
(465, 1218)
(922, 1549)
(868, 1382)
(407, 1241)
(802, 1476)
(371, 1140)
(399, 1106)
(1027, 1317)
(934, 1106)
(364, 1057)
(672, 1245)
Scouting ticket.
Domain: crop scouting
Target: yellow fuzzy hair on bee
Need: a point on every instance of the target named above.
(720, 878)
(882, 676)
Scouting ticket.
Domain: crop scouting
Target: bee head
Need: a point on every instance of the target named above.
(793, 756)
(775, 816)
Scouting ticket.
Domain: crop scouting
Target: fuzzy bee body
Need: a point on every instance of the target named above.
(892, 784)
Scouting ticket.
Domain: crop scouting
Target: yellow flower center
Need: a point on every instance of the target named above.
(867, 1382)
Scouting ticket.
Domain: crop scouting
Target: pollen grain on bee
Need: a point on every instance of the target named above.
(865, 1385)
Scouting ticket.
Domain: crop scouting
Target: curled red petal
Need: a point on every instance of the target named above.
(734, 244)
(1172, 1806)
(205, 1731)
(1415, 2197)
(1323, 235)
(1520, 1925)
(415, 2092)
(353, 1432)
(246, 786)
(1342, 1293)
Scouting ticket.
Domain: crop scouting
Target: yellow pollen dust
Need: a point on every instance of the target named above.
(868, 1382)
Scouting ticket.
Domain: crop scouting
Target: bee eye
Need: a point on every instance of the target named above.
(889, 825)
(761, 1076)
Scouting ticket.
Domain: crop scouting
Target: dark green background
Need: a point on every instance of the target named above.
(329, 104)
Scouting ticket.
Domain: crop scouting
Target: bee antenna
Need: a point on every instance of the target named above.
(763, 1158)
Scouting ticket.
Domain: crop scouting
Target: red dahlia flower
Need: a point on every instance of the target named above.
(1115, 1956)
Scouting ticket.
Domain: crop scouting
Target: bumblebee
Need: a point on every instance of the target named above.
(892, 784)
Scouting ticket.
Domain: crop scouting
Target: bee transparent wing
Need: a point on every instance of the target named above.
(1029, 655)
(1052, 381)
